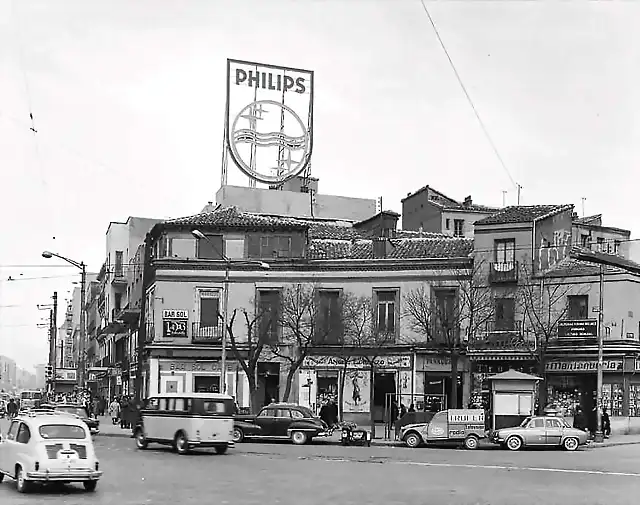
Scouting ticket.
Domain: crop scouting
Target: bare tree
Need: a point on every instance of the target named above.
(364, 340)
(446, 314)
(543, 299)
(249, 352)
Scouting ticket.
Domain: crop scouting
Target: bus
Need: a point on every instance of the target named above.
(30, 399)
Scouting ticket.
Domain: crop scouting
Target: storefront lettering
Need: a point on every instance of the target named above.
(190, 366)
(357, 362)
(583, 366)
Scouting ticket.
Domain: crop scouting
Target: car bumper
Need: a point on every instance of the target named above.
(68, 476)
(210, 443)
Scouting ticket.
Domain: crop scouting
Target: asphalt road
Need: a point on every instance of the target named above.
(321, 474)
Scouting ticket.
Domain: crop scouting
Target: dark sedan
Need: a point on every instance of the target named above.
(81, 412)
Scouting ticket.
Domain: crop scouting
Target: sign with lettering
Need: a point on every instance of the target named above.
(608, 365)
(175, 314)
(66, 375)
(357, 362)
(269, 122)
(174, 328)
(465, 416)
(189, 366)
(502, 341)
(581, 328)
(433, 363)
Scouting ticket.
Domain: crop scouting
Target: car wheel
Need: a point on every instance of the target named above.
(299, 437)
(238, 435)
(514, 443)
(412, 440)
(141, 440)
(471, 442)
(221, 449)
(570, 444)
(21, 483)
(181, 443)
(90, 485)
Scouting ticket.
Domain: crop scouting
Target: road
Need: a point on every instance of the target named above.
(321, 474)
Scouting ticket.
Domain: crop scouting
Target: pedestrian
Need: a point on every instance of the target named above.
(412, 408)
(606, 424)
(580, 420)
(114, 411)
(124, 412)
(403, 410)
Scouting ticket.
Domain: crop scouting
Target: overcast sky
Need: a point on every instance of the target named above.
(128, 100)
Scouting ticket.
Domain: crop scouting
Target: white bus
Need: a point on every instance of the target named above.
(186, 421)
(30, 398)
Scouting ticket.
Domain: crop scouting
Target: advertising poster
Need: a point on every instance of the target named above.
(357, 391)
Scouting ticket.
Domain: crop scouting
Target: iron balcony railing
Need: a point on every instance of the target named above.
(202, 333)
(506, 272)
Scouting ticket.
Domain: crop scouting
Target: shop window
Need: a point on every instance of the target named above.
(211, 248)
(577, 307)
(206, 384)
(269, 312)
(513, 405)
(505, 314)
(328, 329)
(613, 398)
(386, 311)
(634, 400)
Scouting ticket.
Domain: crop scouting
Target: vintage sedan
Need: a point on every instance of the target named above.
(540, 431)
(47, 447)
(281, 421)
(81, 412)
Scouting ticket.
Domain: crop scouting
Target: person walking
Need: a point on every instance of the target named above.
(114, 411)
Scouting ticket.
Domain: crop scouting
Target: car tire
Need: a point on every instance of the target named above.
(299, 437)
(222, 449)
(570, 444)
(471, 442)
(1, 477)
(237, 435)
(181, 443)
(90, 485)
(514, 443)
(412, 440)
(22, 485)
(141, 440)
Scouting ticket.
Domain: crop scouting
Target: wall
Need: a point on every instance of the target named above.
(418, 211)
(469, 219)
(553, 239)
(288, 203)
(609, 235)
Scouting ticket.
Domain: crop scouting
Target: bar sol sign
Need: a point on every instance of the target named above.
(174, 323)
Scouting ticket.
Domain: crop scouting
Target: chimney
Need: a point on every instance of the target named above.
(382, 247)
(467, 201)
(383, 224)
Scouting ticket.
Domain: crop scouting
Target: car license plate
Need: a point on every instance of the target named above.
(357, 436)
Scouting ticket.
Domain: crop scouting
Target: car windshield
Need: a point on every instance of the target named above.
(67, 431)
(525, 422)
(78, 411)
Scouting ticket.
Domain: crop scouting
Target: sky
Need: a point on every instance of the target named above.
(128, 103)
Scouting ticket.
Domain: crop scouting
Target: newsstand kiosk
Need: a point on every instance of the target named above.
(513, 397)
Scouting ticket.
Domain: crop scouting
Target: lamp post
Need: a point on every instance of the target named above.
(83, 283)
(225, 310)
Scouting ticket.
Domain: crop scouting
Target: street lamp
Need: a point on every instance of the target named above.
(225, 312)
(83, 284)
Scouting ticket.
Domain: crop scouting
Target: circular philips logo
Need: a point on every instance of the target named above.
(269, 142)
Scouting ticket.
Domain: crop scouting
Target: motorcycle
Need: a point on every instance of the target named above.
(351, 435)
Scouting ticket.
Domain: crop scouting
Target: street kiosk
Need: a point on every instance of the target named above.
(513, 397)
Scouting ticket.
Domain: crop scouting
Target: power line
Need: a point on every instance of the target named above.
(466, 94)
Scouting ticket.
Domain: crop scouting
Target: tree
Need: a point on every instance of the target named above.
(247, 353)
(364, 339)
(543, 299)
(301, 325)
(441, 312)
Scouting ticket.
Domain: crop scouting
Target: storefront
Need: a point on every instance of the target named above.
(572, 383)
(432, 386)
(321, 379)
(483, 367)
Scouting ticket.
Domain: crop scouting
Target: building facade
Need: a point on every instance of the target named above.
(8, 378)
(334, 260)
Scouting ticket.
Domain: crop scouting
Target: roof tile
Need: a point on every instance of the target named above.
(521, 214)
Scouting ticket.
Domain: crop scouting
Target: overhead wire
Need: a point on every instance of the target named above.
(484, 128)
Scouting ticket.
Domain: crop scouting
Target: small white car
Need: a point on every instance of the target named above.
(47, 447)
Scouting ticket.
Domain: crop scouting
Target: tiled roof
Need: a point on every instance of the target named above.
(569, 267)
(471, 208)
(522, 214)
(232, 217)
(440, 247)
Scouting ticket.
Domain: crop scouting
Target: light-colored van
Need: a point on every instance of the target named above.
(186, 421)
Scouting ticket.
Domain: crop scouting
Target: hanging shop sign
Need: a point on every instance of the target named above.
(357, 362)
(269, 120)
(433, 363)
(581, 328)
(66, 375)
(175, 323)
(588, 366)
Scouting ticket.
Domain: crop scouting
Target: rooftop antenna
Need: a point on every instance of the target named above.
(379, 205)
(504, 198)
(583, 200)
(519, 188)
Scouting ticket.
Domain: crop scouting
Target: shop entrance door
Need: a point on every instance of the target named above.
(384, 383)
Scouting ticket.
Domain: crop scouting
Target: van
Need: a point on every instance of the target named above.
(186, 421)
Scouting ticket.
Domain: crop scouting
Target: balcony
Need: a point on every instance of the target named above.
(503, 273)
(150, 333)
(497, 338)
(206, 334)
(119, 278)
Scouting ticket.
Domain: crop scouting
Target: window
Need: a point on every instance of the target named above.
(553, 423)
(24, 434)
(505, 251)
(458, 227)
(296, 414)
(445, 307)
(600, 241)
(211, 248)
(584, 240)
(577, 307)
(213, 407)
(117, 302)
(118, 267)
(13, 430)
(209, 308)
(152, 404)
(49, 431)
(447, 224)
(269, 246)
(386, 314)
(269, 311)
(616, 247)
(505, 314)
(267, 413)
(536, 423)
(283, 413)
(329, 319)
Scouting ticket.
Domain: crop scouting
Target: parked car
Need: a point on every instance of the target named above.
(464, 426)
(281, 421)
(81, 412)
(47, 447)
(540, 431)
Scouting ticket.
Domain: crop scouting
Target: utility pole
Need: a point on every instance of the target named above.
(519, 188)
(599, 436)
(504, 198)
(583, 200)
(82, 363)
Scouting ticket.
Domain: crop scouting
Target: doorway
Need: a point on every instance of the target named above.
(384, 383)
(269, 382)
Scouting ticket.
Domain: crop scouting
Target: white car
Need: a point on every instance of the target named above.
(47, 447)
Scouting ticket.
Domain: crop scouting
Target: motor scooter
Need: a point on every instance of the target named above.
(351, 435)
